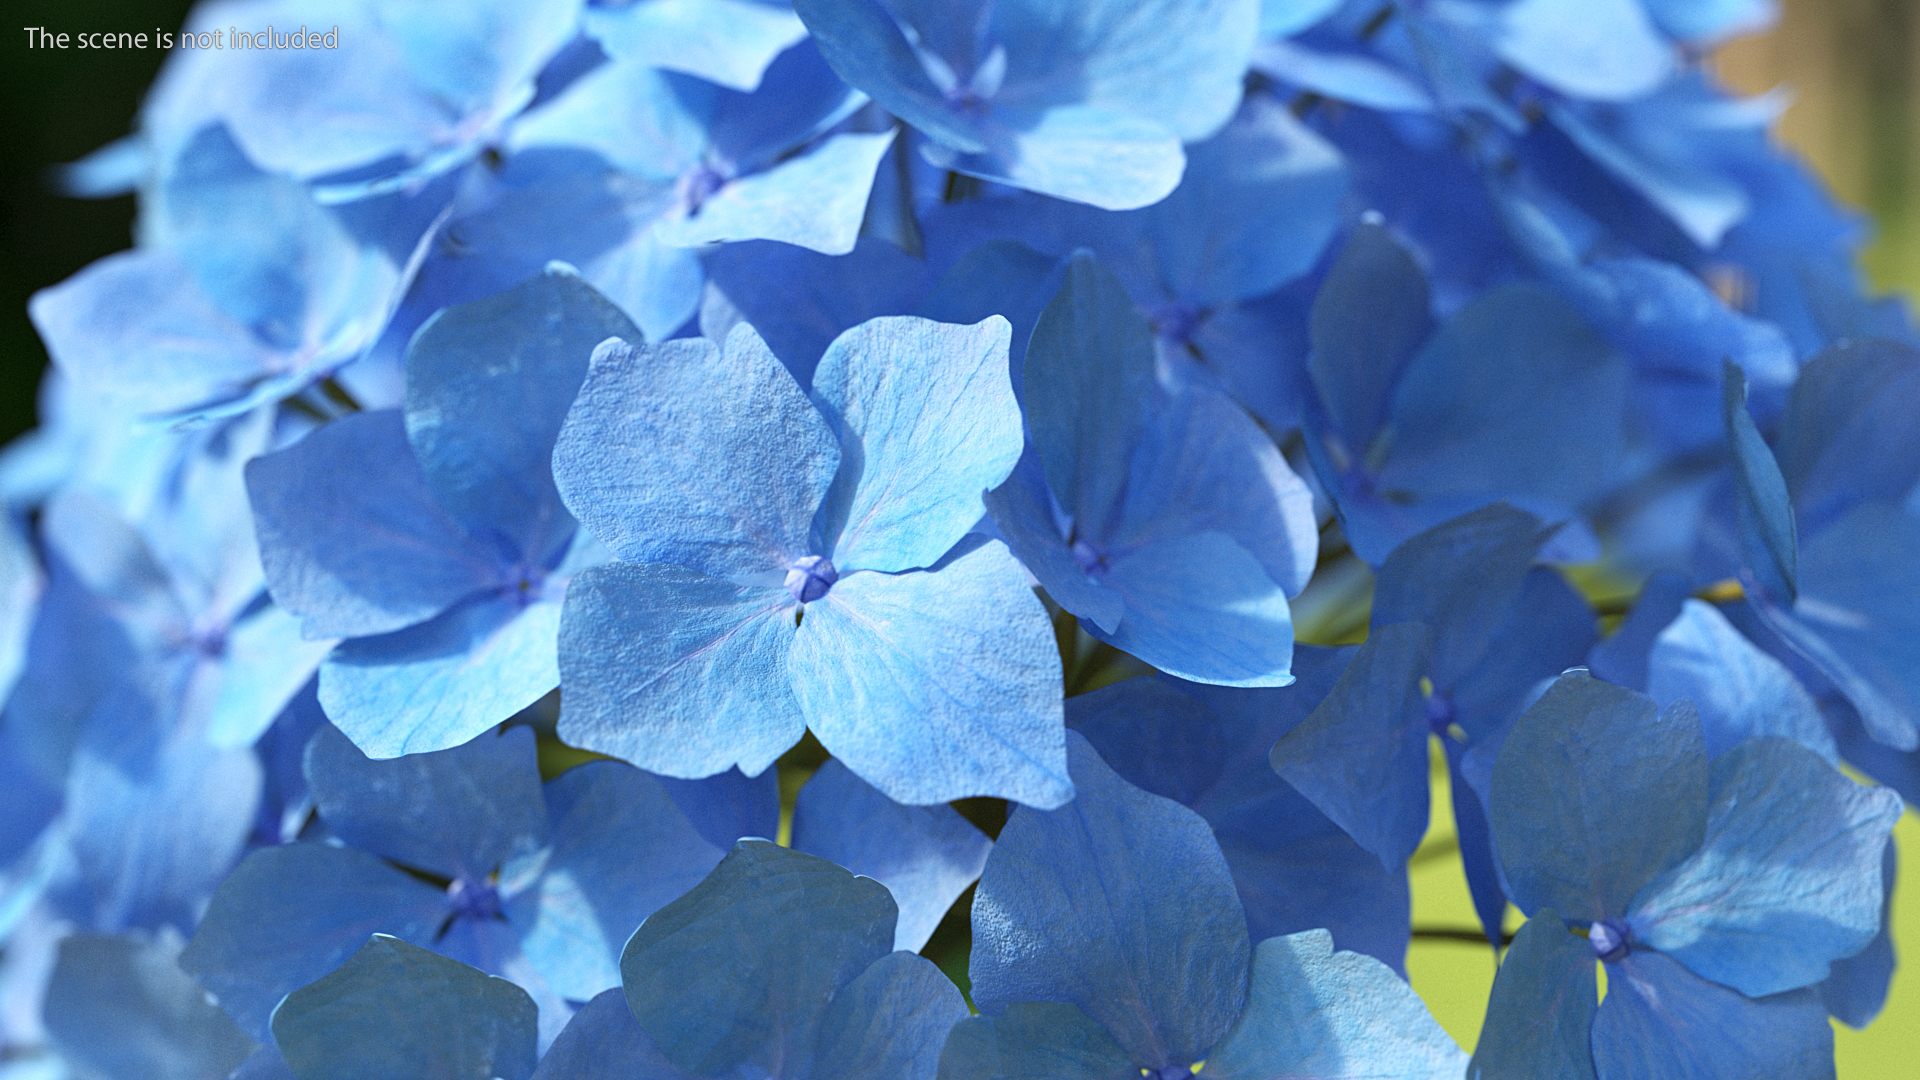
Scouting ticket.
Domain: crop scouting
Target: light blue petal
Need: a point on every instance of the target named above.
(1855, 621)
(1284, 18)
(1361, 756)
(621, 850)
(1602, 49)
(1121, 904)
(1088, 385)
(940, 685)
(1334, 1015)
(1540, 1016)
(1082, 153)
(20, 587)
(351, 537)
(677, 672)
(488, 385)
(437, 685)
(1201, 608)
(394, 1011)
(1367, 320)
(1661, 1020)
(604, 1042)
(1712, 21)
(641, 120)
(1769, 542)
(1740, 691)
(1858, 988)
(862, 42)
(687, 454)
(890, 1022)
(1034, 1041)
(288, 915)
(268, 660)
(729, 42)
(1023, 510)
(926, 856)
(1596, 793)
(816, 200)
(458, 812)
(927, 423)
(1788, 879)
(658, 284)
(1354, 78)
(120, 1008)
(1701, 201)
(742, 969)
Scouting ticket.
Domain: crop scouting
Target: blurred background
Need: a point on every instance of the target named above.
(1848, 67)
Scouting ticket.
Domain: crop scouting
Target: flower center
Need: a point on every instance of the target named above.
(809, 577)
(699, 185)
(1093, 561)
(1610, 939)
(476, 900)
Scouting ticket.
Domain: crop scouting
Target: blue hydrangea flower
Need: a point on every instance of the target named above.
(432, 538)
(1108, 941)
(789, 563)
(728, 42)
(118, 1006)
(1089, 104)
(778, 964)
(1163, 517)
(1716, 894)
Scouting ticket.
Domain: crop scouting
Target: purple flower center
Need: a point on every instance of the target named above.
(1177, 322)
(1168, 1072)
(1610, 939)
(1093, 561)
(699, 185)
(809, 577)
(476, 900)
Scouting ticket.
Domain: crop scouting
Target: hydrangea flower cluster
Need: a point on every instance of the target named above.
(585, 535)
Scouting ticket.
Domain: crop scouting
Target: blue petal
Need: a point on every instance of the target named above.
(459, 812)
(728, 806)
(866, 46)
(1361, 756)
(816, 200)
(1858, 987)
(438, 684)
(351, 537)
(1595, 794)
(937, 685)
(729, 42)
(890, 1022)
(394, 1011)
(927, 421)
(267, 662)
(1334, 1015)
(1661, 1020)
(1121, 904)
(1845, 438)
(741, 969)
(20, 587)
(1368, 319)
(926, 856)
(1100, 156)
(634, 116)
(1352, 77)
(120, 1007)
(683, 453)
(1284, 18)
(1023, 511)
(288, 915)
(799, 100)
(1460, 578)
(1769, 541)
(488, 385)
(1713, 21)
(1540, 1015)
(604, 1042)
(1624, 658)
(677, 672)
(1740, 691)
(1788, 879)
(1201, 608)
(1603, 49)
(1034, 1041)
(621, 850)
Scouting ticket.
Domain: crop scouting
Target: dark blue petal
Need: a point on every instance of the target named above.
(1541, 1012)
(728, 806)
(677, 672)
(1661, 1020)
(488, 385)
(1119, 903)
(1858, 987)
(937, 685)
(394, 1012)
(1334, 1015)
(1023, 510)
(1769, 541)
(1846, 436)
(688, 454)
(1034, 1041)
(1361, 756)
(1595, 794)
(1623, 658)
(288, 915)
(120, 1008)
(457, 813)
(1787, 880)
(1369, 317)
(890, 1022)
(926, 856)
(742, 969)
(604, 1042)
